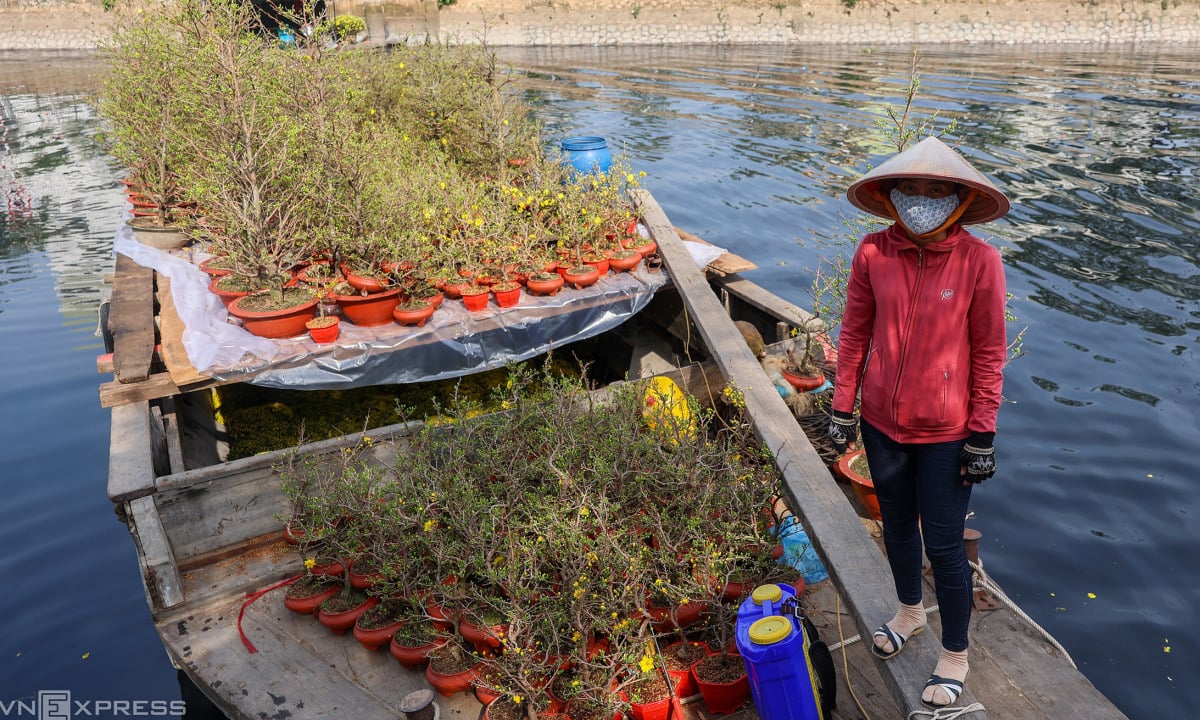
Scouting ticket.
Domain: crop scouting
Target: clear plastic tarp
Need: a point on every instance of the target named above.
(452, 343)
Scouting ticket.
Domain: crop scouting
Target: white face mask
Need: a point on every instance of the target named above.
(923, 214)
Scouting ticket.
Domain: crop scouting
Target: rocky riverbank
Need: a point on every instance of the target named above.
(53, 25)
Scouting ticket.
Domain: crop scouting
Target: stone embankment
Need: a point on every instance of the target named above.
(64, 25)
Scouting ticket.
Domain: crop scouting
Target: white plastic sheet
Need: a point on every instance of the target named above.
(454, 342)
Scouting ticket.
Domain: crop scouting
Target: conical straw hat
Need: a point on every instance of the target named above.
(929, 159)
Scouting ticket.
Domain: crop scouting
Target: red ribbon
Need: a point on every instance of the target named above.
(252, 596)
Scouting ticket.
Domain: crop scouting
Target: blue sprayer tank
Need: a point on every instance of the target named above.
(587, 154)
(773, 645)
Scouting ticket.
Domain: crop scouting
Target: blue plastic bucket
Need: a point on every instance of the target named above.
(587, 154)
(774, 648)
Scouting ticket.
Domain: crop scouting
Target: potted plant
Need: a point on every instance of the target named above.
(544, 283)
(507, 293)
(413, 312)
(143, 113)
(323, 329)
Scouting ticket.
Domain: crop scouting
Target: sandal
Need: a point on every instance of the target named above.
(952, 688)
(896, 639)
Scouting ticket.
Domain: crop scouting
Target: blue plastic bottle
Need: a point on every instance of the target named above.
(774, 647)
(587, 154)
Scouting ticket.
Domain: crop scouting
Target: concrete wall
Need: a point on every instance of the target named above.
(58, 24)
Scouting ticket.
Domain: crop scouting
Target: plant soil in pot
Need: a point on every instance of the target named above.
(340, 611)
(722, 681)
(231, 287)
(306, 594)
(650, 698)
(265, 317)
(679, 657)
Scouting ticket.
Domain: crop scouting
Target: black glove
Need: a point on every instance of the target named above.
(978, 457)
(843, 429)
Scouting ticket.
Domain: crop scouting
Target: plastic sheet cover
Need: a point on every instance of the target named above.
(454, 342)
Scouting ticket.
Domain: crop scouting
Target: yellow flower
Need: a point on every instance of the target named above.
(517, 699)
(583, 512)
(429, 525)
(646, 663)
(309, 563)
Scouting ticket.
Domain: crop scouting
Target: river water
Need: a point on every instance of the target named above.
(1089, 524)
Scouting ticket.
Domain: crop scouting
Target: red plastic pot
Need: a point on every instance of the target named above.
(507, 298)
(544, 286)
(450, 684)
(310, 604)
(414, 657)
(804, 383)
(275, 323)
(682, 680)
(580, 279)
(377, 637)
(863, 488)
(370, 310)
(413, 316)
(476, 301)
(722, 698)
(340, 622)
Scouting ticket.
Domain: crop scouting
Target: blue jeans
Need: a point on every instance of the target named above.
(921, 495)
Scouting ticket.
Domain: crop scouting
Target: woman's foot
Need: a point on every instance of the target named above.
(889, 639)
(946, 683)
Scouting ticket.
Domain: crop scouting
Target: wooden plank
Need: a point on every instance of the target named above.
(769, 303)
(130, 461)
(131, 320)
(727, 264)
(158, 385)
(174, 355)
(159, 572)
(858, 568)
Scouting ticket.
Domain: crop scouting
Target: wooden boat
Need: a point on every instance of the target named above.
(207, 533)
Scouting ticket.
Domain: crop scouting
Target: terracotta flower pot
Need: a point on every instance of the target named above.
(227, 296)
(803, 383)
(508, 297)
(544, 284)
(853, 467)
(340, 621)
(667, 619)
(324, 329)
(579, 278)
(209, 266)
(475, 300)
(451, 683)
(624, 262)
(414, 657)
(642, 245)
(366, 283)
(408, 315)
(600, 263)
(485, 638)
(371, 310)
(285, 323)
(375, 638)
(309, 602)
(721, 698)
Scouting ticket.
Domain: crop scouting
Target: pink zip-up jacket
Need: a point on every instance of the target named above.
(923, 336)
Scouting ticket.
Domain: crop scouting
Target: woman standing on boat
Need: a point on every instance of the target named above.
(923, 339)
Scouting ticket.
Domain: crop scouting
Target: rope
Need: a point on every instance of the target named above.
(984, 582)
(947, 713)
(252, 596)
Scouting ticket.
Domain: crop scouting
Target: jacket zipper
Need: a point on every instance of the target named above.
(912, 304)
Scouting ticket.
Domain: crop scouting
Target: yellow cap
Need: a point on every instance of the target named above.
(767, 593)
(770, 630)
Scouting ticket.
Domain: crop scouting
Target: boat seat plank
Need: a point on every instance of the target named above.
(130, 460)
(131, 321)
(153, 387)
(155, 556)
(859, 569)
